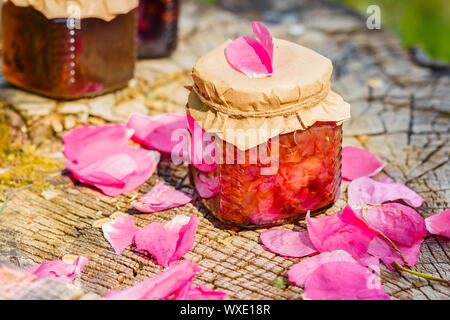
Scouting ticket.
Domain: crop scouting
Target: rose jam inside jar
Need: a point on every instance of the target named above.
(157, 27)
(59, 60)
(307, 178)
(265, 150)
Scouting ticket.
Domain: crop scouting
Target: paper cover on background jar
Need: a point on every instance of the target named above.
(227, 103)
(102, 9)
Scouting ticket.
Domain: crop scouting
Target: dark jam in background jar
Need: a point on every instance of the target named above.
(48, 57)
(157, 27)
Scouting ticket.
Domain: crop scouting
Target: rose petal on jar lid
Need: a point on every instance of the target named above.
(439, 223)
(287, 243)
(343, 281)
(170, 242)
(160, 286)
(298, 273)
(158, 132)
(359, 162)
(382, 249)
(364, 190)
(161, 197)
(399, 223)
(120, 232)
(190, 291)
(252, 57)
(64, 272)
(342, 230)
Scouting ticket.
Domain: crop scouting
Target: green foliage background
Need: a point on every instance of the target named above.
(425, 23)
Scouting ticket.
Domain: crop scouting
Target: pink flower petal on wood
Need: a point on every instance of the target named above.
(161, 286)
(364, 190)
(156, 132)
(343, 230)
(161, 197)
(343, 281)
(382, 249)
(77, 139)
(299, 272)
(200, 292)
(252, 57)
(120, 232)
(58, 269)
(170, 242)
(399, 223)
(287, 243)
(359, 162)
(439, 223)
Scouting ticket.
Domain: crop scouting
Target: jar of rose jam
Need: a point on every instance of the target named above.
(265, 151)
(69, 49)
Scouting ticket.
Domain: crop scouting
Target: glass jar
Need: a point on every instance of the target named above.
(157, 27)
(307, 178)
(53, 58)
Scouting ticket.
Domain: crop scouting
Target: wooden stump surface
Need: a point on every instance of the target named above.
(400, 112)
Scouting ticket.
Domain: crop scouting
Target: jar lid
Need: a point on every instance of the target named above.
(102, 9)
(225, 102)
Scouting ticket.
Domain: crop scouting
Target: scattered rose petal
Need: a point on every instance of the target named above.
(359, 162)
(343, 281)
(343, 230)
(156, 132)
(114, 169)
(287, 243)
(364, 190)
(170, 242)
(250, 56)
(161, 286)
(439, 223)
(382, 249)
(202, 147)
(120, 232)
(161, 197)
(78, 138)
(192, 292)
(399, 223)
(207, 187)
(58, 269)
(298, 273)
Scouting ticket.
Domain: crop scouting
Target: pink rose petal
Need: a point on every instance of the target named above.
(207, 187)
(161, 197)
(170, 242)
(382, 249)
(252, 57)
(398, 222)
(161, 286)
(439, 223)
(58, 269)
(156, 132)
(299, 272)
(78, 138)
(364, 190)
(114, 169)
(120, 232)
(202, 147)
(287, 243)
(200, 292)
(343, 281)
(343, 230)
(359, 162)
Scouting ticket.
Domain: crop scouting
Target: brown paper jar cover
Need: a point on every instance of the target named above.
(226, 102)
(102, 9)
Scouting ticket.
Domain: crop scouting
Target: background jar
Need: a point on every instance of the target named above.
(68, 57)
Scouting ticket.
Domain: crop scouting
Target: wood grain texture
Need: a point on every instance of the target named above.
(400, 112)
